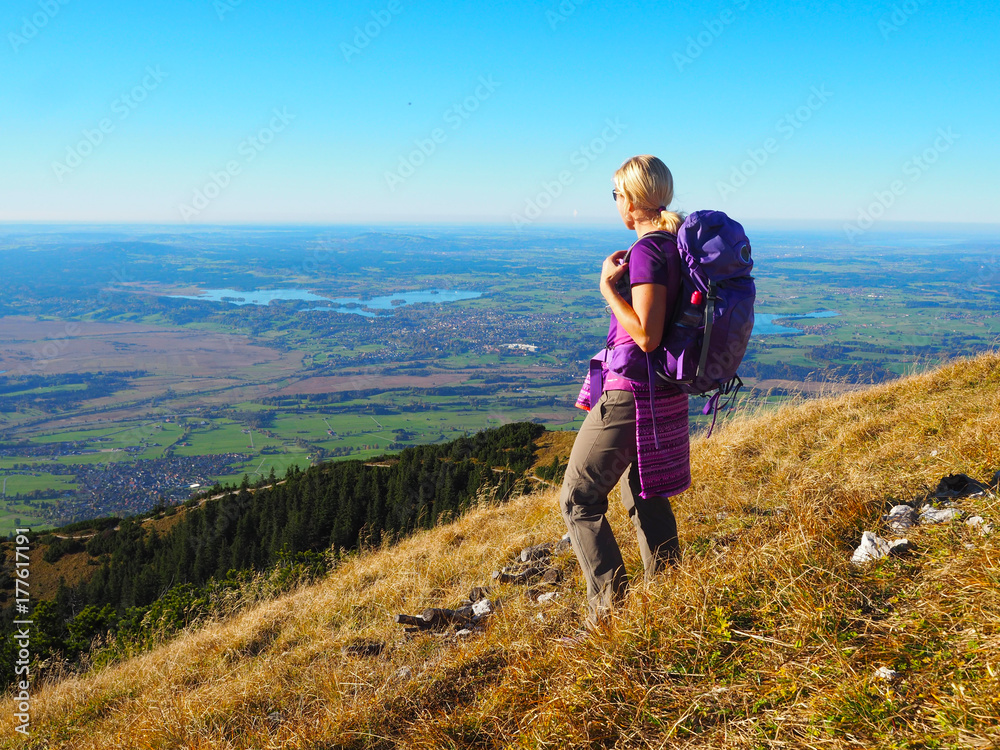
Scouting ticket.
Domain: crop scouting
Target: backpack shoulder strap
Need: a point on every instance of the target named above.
(663, 232)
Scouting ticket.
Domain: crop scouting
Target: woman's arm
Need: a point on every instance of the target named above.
(644, 318)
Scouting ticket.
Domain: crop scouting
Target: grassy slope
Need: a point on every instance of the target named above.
(764, 637)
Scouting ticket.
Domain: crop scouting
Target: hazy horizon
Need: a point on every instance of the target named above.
(970, 229)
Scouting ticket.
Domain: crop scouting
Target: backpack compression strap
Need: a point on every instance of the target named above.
(707, 337)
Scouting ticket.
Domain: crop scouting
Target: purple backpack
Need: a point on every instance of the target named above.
(707, 333)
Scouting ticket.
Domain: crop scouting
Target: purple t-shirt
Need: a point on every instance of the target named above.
(654, 260)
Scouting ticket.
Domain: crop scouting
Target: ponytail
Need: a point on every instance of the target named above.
(669, 221)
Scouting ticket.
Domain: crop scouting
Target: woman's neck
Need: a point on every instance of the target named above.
(643, 228)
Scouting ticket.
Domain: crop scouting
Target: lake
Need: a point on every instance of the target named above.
(764, 325)
(402, 298)
(337, 304)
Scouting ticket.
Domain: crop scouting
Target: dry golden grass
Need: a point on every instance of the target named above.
(765, 636)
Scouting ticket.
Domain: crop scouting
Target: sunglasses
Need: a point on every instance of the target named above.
(615, 194)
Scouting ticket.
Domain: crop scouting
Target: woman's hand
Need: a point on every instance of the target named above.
(613, 269)
(644, 318)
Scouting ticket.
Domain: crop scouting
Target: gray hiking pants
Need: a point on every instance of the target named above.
(605, 447)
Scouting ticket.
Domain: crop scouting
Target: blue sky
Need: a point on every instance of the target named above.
(218, 111)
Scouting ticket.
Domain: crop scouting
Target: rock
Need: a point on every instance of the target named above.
(479, 592)
(562, 545)
(978, 522)
(886, 674)
(482, 607)
(416, 621)
(438, 617)
(872, 547)
(959, 485)
(364, 648)
(404, 673)
(552, 575)
(538, 552)
(515, 574)
(930, 514)
(901, 517)
(995, 481)
(548, 597)
(899, 546)
(463, 633)
(274, 717)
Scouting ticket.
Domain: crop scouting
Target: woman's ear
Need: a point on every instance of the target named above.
(630, 214)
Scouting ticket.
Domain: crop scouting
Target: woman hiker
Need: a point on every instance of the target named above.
(612, 440)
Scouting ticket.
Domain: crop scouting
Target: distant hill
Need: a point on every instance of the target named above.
(765, 636)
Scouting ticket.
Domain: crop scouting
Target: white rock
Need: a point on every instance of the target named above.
(872, 547)
(404, 673)
(901, 517)
(884, 673)
(548, 597)
(934, 515)
(978, 522)
(482, 607)
(463, 633)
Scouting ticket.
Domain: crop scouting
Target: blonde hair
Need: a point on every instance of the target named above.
(646, 181)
